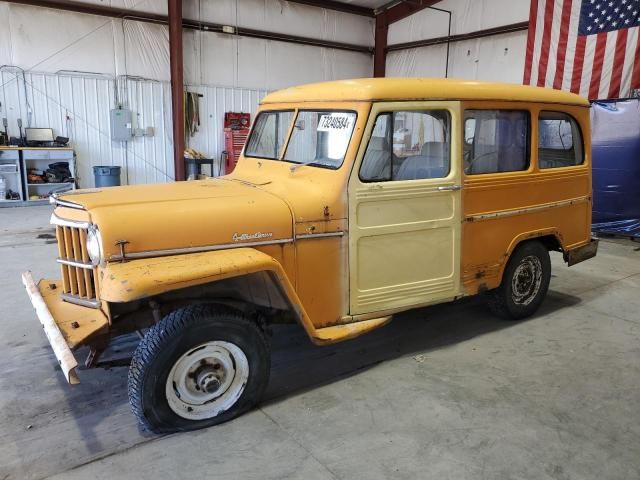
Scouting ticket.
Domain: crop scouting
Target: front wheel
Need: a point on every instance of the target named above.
(524, 283)
(199, 366)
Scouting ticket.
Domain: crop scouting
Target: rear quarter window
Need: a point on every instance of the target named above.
(560, 141)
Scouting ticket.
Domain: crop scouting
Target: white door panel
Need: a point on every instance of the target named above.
(404, 244)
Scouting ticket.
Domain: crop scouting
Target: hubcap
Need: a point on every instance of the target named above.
(207, 380)
(526, 280)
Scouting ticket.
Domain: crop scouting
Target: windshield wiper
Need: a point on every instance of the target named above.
(293, 168)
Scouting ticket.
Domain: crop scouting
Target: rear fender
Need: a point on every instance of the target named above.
(144, 278)
(523, 237)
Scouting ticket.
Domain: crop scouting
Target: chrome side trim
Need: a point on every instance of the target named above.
(73, 263)
(210, 248)
(83, 302)
(56, 220)
(305, 236)
(449, 188)
(521, 211)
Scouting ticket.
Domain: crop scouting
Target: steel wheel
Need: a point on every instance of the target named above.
(199, 366)
(526, 280)
(207, 380)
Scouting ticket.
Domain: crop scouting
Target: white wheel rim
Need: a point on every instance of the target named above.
(207, 380)
(526, 280)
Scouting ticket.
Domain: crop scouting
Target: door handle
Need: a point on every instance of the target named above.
(450, 188)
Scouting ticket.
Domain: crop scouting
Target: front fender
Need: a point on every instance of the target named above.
(143, 278)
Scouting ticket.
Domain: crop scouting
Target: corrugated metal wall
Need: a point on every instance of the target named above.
(78, 106)
(217, 101)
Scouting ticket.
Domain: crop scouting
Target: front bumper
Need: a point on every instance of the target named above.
(67, 326)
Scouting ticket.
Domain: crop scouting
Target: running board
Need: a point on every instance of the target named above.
(338, 333)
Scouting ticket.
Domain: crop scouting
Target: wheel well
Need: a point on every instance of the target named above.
(550, 242)
(255, 295)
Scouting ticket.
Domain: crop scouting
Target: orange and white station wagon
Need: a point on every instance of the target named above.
(353, 200)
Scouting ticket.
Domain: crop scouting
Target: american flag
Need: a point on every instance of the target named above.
(589, 47)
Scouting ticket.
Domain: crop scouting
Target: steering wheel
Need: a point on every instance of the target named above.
(467, 169)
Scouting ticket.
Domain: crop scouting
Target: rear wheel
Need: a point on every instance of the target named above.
(524, 283)
(199, 366)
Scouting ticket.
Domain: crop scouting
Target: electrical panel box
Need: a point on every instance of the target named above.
(121, 128)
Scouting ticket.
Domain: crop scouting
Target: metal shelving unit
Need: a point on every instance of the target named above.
(24, 158)
(40, 158)
(11, 171)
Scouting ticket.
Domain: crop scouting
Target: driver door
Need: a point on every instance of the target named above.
(405, 208)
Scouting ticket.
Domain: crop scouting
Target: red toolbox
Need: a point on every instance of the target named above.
(236, 131)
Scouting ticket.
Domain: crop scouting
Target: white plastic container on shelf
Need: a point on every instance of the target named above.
(3, 189)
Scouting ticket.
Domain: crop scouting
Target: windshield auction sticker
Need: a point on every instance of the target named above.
(335, 122)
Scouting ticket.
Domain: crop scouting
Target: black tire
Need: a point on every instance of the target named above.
(528, 259)
(179, 333)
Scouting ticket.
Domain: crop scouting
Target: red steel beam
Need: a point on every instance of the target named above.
(385, 18)
(337, 6)
(177, 85)
(406, 8)
(380, 47)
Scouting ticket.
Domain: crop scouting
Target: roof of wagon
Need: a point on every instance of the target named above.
(369, 89)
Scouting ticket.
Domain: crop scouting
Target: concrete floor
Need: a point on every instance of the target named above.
(447, 392)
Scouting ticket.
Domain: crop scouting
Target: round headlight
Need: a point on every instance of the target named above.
(94, 245)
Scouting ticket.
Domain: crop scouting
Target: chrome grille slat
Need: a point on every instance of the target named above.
(78, 274)
(77, 256)
(68, 248)
(88, 279)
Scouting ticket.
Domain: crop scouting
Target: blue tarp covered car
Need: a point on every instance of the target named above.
(615, 130)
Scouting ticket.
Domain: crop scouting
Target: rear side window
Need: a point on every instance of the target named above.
(559, 141)
(408, 145)
(496, 141)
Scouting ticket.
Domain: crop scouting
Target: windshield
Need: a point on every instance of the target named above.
(269, 134)
(318, 137)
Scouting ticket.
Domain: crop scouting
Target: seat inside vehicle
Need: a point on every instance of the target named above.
(377, 161)
(431, 163)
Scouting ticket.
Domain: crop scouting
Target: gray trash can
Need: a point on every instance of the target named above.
(105, 176)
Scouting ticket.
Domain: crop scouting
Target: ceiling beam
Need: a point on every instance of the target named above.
(488, 32)
(91, 9)
(406, 8)
(338, 7)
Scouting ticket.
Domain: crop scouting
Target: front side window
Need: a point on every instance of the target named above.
(320, 138)
(559, 141)
(496, 141)
(269, 134)
(408, 145)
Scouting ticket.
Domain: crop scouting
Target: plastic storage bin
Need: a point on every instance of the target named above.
(105, 176)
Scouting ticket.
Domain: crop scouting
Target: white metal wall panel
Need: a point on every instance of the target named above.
(467, 16)
(78, 107)
(498, 58)
(32, 38)
(214, 104)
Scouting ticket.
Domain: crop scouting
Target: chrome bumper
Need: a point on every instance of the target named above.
(63, 353)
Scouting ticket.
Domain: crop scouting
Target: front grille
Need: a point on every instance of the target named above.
(78, 275)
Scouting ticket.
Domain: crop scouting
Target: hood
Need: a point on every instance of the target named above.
(183, 215)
